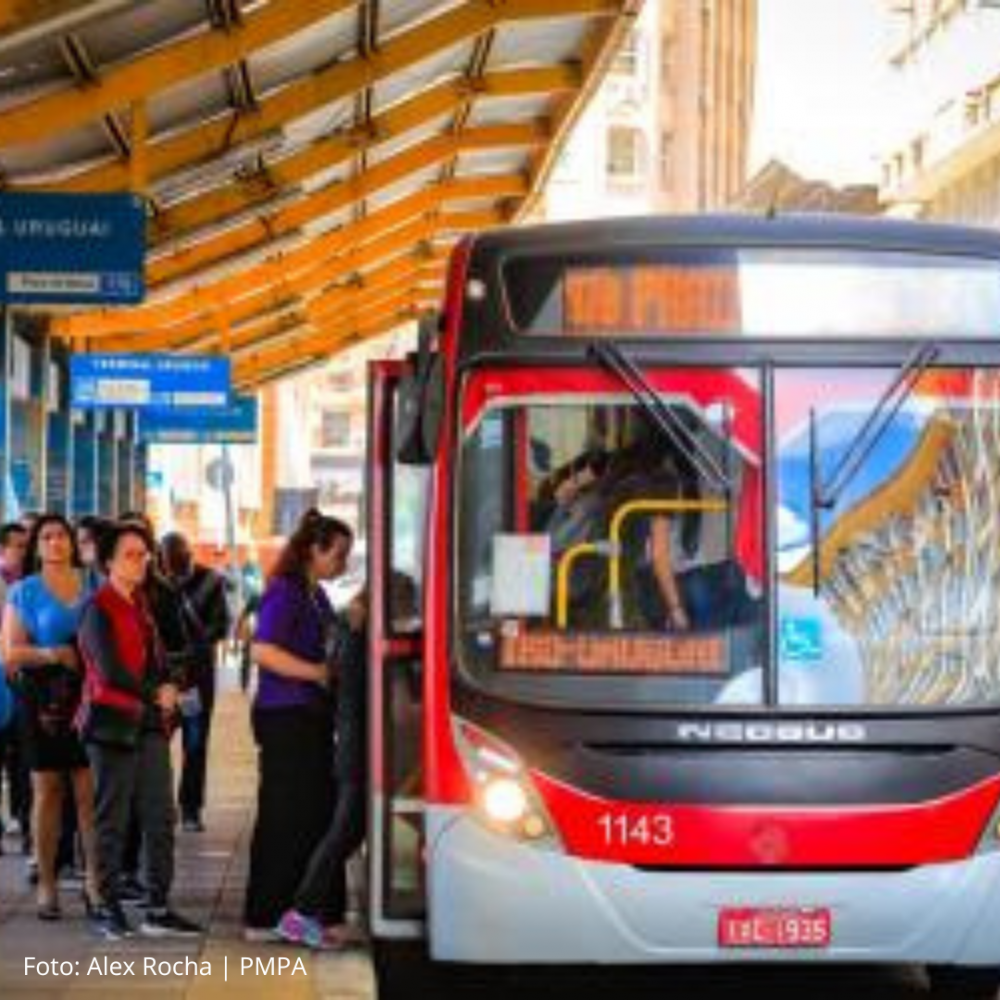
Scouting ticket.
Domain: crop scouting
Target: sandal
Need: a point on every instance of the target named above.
(49, 911)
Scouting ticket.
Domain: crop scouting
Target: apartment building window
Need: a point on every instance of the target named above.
(334, 429)
(666, 158)
(625, 153)
(626, 61)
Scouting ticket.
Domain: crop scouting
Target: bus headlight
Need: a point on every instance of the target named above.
(504, 798)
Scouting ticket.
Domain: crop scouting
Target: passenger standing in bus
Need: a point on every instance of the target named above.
(293, 718)
(318, 917)
(40, 623)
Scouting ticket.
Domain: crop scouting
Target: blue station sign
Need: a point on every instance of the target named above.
(233, 424)
(72, 248)
(148, 381)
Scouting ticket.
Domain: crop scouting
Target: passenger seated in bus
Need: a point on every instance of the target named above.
(585, 497)
(679, 568)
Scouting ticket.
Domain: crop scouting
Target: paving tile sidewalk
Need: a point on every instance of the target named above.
(211, 874)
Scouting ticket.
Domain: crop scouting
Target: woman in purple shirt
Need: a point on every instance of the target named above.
(293, 717)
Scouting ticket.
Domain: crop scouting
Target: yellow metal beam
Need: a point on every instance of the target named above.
(138, 139)
(331, 151)
(305, 328)
(342, 80)
(270, 300)
(398, 310)
(242, 252)
(257, 232)
(329, 306)
(275, 284)
(165, 67)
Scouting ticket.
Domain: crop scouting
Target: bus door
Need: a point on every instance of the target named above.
(397, 506)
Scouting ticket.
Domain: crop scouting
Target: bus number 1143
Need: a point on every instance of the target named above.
(622, 830)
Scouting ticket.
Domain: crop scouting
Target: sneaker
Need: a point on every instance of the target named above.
(166, 923)
(131, 890)
(109, 921)
(192, 824)
(296, 928)
(261, 935)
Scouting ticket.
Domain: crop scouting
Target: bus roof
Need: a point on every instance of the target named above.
(742, 230)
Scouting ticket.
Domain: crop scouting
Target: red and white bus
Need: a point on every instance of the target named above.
(685, 639)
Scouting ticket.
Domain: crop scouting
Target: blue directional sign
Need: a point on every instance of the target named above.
(148, 381)
(72, 248)
(233, 424)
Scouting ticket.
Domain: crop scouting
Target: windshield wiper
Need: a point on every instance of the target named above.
(612, 357)
(875, 425)
(825, 496)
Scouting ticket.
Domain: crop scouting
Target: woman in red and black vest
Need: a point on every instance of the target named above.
(128, 716)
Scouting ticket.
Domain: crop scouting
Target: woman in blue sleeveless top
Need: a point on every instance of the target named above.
(38, 642)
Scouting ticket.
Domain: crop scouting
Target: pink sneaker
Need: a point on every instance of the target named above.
(297, 928)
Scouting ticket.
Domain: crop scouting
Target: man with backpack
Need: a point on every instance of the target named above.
(202, 593)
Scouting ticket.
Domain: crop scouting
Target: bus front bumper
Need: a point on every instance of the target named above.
(494, 900)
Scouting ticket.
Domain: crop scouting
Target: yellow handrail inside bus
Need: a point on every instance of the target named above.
(612, 549)
(566, 561)
(615, 612)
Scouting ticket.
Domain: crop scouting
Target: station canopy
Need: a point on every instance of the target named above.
(308, 164)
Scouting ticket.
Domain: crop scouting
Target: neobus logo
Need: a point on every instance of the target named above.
(772, 732)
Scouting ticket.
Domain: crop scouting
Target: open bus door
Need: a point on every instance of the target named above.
(397, 507)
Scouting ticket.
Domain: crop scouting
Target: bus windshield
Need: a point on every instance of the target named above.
(593, 550)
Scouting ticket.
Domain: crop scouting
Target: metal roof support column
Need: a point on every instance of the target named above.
(6, 493)
(85, 458)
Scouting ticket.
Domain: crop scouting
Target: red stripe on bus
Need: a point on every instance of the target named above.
(665, 835)
(446, 781)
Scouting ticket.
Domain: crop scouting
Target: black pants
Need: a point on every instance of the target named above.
(195, 731)
(15, 767)
(140, 778)
(294, 805)
(323, 889)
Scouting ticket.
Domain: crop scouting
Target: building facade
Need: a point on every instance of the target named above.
(668, 130)
(943, 154)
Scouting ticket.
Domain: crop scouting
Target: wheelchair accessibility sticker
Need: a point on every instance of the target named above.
(800, 640)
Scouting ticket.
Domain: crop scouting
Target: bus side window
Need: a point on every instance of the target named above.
(410, 486)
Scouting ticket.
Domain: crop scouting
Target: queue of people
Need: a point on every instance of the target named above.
(108, 646)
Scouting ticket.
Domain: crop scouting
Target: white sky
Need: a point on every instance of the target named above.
(821, 87)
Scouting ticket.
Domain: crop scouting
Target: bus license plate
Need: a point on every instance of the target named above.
(775, 928)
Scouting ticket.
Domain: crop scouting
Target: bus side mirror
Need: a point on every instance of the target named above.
(421, 399)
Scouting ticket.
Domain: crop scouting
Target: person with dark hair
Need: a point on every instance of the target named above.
(13, 546)
(202, 594)
(318, 917)
(128, 716)
(167, 612)
(293, 718)
(89, 529)
(40, 624)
